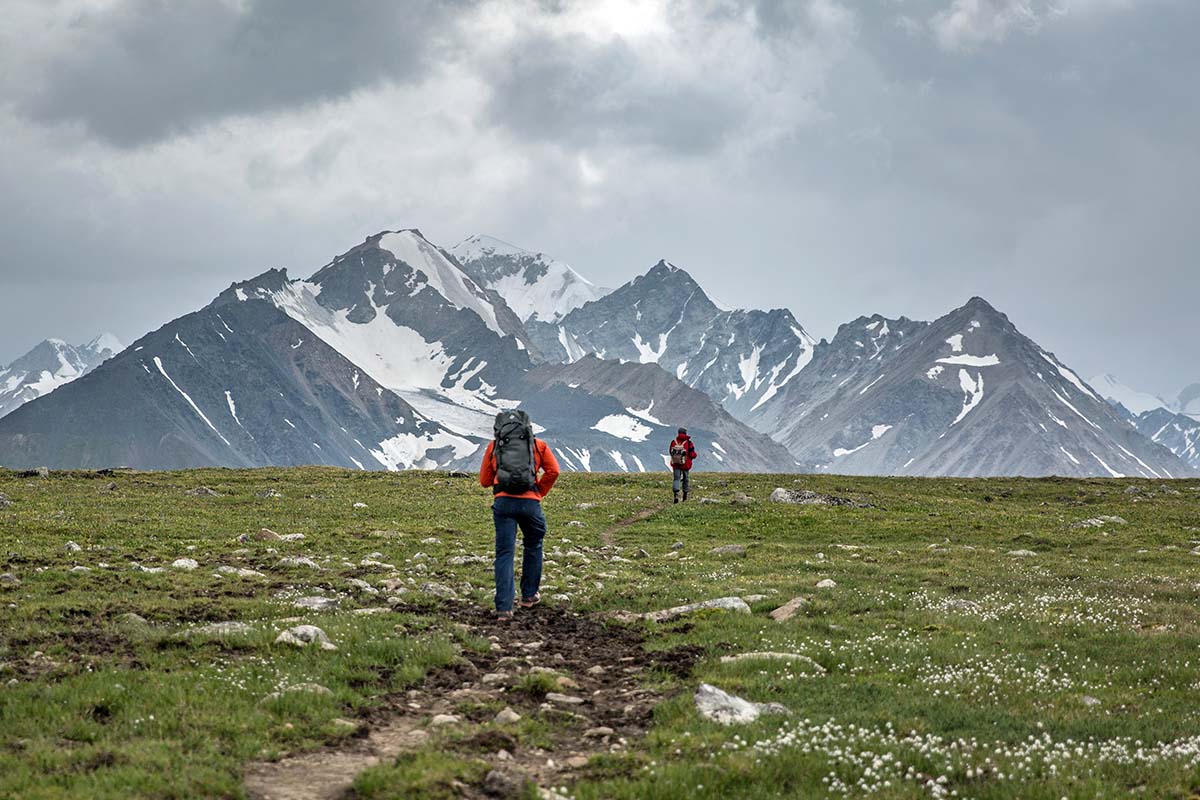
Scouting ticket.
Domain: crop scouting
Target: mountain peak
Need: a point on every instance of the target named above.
(105, 341)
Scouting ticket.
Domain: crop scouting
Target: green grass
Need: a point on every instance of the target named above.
(945, 657)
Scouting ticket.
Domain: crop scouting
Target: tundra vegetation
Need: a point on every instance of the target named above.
(217, 633)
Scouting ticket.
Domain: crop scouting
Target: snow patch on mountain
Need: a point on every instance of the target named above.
(440, 275)
(623, 426)
(1137, 402)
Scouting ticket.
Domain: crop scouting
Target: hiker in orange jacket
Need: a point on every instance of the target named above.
(681, 453)
(518, 509)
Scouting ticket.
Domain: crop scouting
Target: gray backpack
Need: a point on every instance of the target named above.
(516, 471)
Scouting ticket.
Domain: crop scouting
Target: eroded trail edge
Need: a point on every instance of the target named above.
(582, 676)
(606, 538)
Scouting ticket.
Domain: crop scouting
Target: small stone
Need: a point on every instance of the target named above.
(599, 669)
(729, 550)
(241, 572)
(641, 553)
(361, 585)
(1021, 553)
(597, 733)
(498, 783)
(72, 547)
(828, 583)
(754, 598)
(440, 720)
(81, 569)
(360, 505)
(268, 494)
(504, 755)
(577, 762)
(298, 561)
(728, 709)
(8, 579)
(1090, 701)
(4, 501)
(741, 499)
(564, 699)
(305, 635)
(292, 537)
(316, 603)
(304, 688)
(507, 717)
(493, 679)
(186, 564)
(131, 620)
(202, 491)
(677, 546)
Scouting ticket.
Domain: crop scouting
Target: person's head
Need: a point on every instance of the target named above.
(682, 431)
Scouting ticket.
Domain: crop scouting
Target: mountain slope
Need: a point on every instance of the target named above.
(235, 384)
(51, 364)
(536, 286)
(605, 415)
(738, 357)
(967, 395)
(1178, 433)
(1188, 402)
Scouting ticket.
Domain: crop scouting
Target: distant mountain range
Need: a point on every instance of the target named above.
(49, 365)
(397, 354)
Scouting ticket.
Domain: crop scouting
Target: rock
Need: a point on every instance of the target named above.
(361, 585)
(375, 563)
(498, 783)
(753, 598)
(148, 570)
(305, 635)
(268, 494)
(220, 629)
(597, 670)
(563, 699)
(770, 656)
(507, 717)
(741, 499)
(305, 688)
(360, 505)
(298, 561)
(263, 535)
(597, 733)
(729, 550)
(459, 561)
(186, 564)
(8, 579)
(493, 679)
(131, 620)
(39, 472)
(4, 501)
(241, 572)
(585, 506)
(962, 604)
(72, 547)
(728, 709)
(503, 755)
(201, 491)
(709, 501)
(1022, 553)
(735, 604)
(828, 583)
(292, 537)
(677, 546)
(439, 590)
(574, 524)
(369, 612)
(804, 497)
(440, 720)
(577, 762)
(641, 553)
(316, 603)
(80, 569)
(1089, 701)
(1100, 522)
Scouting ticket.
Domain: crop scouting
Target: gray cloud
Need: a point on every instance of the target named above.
(142, 70)
(830, 158)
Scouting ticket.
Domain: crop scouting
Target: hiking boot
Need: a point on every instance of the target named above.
(685, 496)
(677, 497)
(530, 602)
(504, 616)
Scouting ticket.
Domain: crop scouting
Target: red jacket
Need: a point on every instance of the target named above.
(543, 461)
(684, 439)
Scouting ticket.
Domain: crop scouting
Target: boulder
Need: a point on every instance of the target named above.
(304, 636)
(729, 550)
(727, 709)
(186, 564)
(827, 583)
(507, 717)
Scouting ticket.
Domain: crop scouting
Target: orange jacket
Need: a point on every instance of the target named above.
(543, 460)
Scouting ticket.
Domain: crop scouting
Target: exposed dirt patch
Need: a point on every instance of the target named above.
(587, 678)
(606, 538)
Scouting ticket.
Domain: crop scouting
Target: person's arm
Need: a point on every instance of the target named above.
(691, 450)
(549, 465)
(487, 470)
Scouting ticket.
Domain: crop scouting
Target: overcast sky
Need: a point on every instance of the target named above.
(837, 158)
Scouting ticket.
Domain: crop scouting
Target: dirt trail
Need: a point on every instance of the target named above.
(602, 664)
(606, 538)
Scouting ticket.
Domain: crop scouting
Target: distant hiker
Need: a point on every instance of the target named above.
(511, 467)
(682, 453)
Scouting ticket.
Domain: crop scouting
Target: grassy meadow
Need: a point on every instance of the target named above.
(978, 641)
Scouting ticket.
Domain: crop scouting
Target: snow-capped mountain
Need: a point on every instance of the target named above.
(966, 395)
(403, 311)
(1188, 402)
(536, 286)
(1177, 432)
(608, 416)
(1112, 390)
(49, 365)
(740, 358)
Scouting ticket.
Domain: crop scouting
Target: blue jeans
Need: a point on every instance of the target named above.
(510, 513)
(682, 477)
